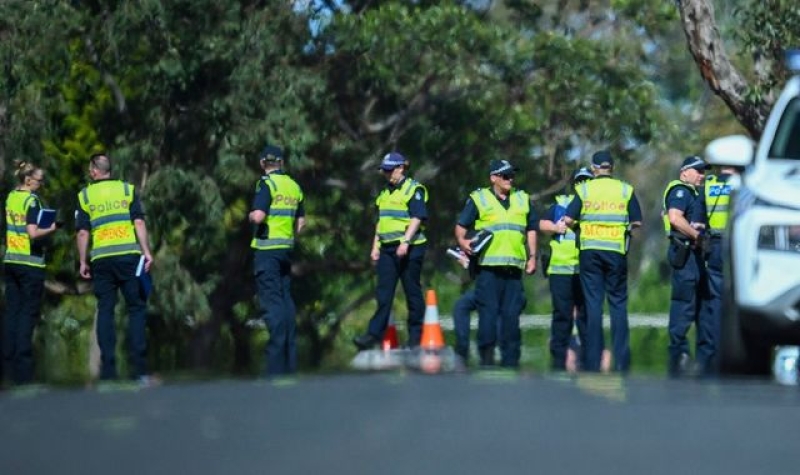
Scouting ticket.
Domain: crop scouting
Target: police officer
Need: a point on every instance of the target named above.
(563, 274)
(24, 263)
(508, 214)
(111, 213)
(717, 200)
(277, 216)
(606, 209)
(398, 248)
(684, 223)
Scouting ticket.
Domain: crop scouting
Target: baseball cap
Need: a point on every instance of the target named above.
(498, 167)
(694, 162)
(271, 153)
(602, 159)
(582, 174)
(391, 161)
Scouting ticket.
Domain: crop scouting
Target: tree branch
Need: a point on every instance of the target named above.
(706, 47)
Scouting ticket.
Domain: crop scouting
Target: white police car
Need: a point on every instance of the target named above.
(761, 301)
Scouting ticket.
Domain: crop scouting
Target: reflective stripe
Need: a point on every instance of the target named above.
(390, 213)
(502, 261)
(563, 269)
(114, 250)
(595, 244)
(505, 227)
(12, 257)
(111, 218)
(275, 243)
(18, 229)
(282, 212)
(606, 218)
(388, 237)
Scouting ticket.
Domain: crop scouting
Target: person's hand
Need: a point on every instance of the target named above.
(85, 271)
(530, 266)
(375, 254)
(466, 246)
(148, 262)
(402, 249)
(561, 227)
(703, 243)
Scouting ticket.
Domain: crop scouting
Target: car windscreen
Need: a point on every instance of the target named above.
(786, 144)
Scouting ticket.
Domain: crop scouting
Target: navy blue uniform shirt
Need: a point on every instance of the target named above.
(82, 221)
(684, 200)
(634, 210)
(469, 214)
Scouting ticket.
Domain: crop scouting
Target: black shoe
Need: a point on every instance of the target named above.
(365, 341)
(487, 356)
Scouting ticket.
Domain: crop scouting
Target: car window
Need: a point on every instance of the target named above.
(786, 144)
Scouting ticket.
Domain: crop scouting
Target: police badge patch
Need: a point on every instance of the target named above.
(679, 194)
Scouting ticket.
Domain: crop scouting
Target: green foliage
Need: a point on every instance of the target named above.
(183, 95)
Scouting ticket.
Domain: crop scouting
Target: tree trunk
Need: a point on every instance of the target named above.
(706, 46)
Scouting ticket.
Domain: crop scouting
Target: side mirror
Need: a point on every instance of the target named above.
(733, 151)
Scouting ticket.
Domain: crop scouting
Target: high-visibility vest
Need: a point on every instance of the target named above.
(604, 217)
(18, 242)
(286, 197)
(108, 202)
(665, 211)
(393, 215)
(564, 254)
(718, 200)
(507, 247)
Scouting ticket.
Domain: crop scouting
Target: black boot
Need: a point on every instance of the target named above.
(365, 341)
(487, 356)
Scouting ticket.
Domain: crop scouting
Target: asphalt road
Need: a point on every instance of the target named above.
(406, 423)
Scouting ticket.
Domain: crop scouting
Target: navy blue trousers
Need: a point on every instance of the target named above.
(567, 297)
(273, 284)
(408, 270)
(604, 274)
(711, 310)
(110, 275)
(501, 299)
(24, 289)
(464, 306)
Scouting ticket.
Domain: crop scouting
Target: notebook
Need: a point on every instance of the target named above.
(145, 281)
(46, 218)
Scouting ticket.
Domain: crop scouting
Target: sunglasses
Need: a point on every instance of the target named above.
(506, 176)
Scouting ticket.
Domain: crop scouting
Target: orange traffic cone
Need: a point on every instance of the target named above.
(432, 338)
(390, 336)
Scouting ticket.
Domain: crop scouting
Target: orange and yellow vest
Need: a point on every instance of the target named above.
(604, 217)
(107, 202)
(18, 242)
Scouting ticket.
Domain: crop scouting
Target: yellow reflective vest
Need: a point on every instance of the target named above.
(508, 246)
(718, 200)
(564, 254)
(604, 216)
(286, 196)
(393, 215)
(18, 242)
(107, 202)
(665, 211)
